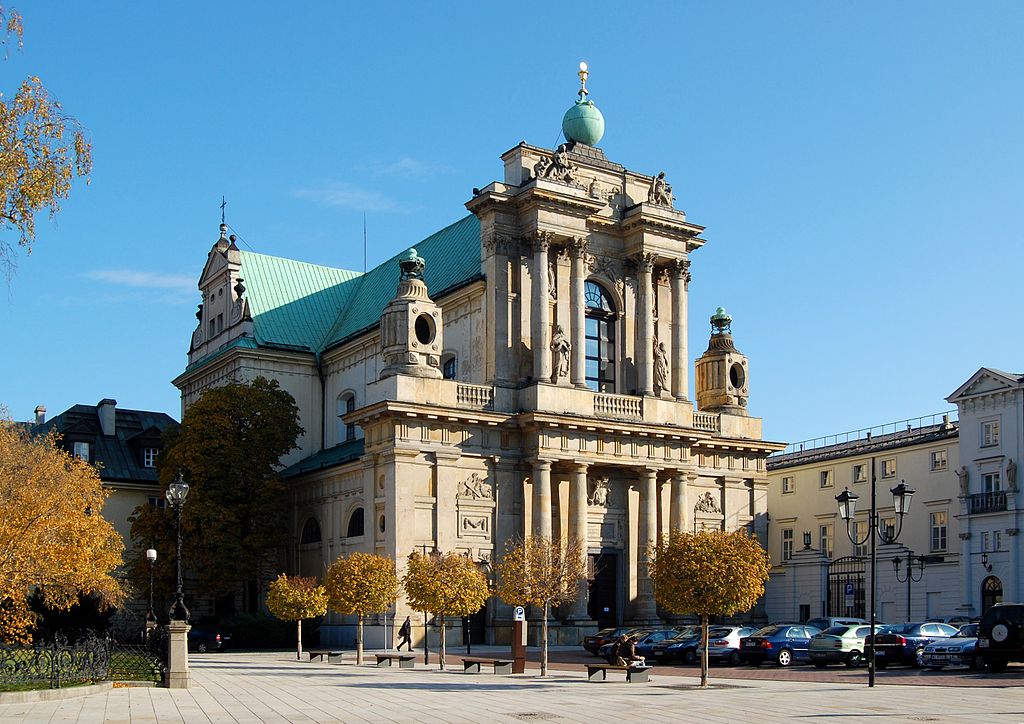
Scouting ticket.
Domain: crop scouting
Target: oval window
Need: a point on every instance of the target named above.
(736, 376)
(424, 329)
(380, 524)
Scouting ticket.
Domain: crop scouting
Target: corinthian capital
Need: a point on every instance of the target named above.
(577, 247)
(680, 269)
(645, 262)
(541, 240)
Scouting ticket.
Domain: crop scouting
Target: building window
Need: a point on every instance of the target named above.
(787, 484)
(990, 433)
(355, 524)
(599, 339)
(310, 532)
(213, 328)
(149, 456)
(860, 473)
(997, 540)
(825, 538)
(157, 501)
(346, 404)
(938, 524)
(220, 323)
(938, 460)
(889, 527)
(81, 451)
(991, 482)
(787, 544)
(889, 468)
(449, 367)
(986, 541)
(860, 530)
(825, 477)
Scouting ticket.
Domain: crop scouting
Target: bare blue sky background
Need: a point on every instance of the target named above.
(858, 167)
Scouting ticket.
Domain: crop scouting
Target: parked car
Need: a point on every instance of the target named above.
(594, 643)
(828, 622)
(903, 643)
(959, 620)
(726, 649)
(687, 647)
(959, 650)
(645, 640)
(201, 639)
(781, 643)
(1001, 636)
(658, 651)
(842, 644)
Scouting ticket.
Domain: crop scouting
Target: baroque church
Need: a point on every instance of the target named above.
(523, 371)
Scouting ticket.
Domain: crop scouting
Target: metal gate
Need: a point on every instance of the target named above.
(846, 587)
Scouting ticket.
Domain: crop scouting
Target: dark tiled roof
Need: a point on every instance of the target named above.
(118, 456)
(339, 454)
(866, 446)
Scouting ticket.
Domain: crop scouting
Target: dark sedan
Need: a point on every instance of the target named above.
(686, 646)
(201, 639)
(782, 644)
(903, 643)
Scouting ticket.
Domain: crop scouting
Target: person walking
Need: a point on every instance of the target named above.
(405, 634)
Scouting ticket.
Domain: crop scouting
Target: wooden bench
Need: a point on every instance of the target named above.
(501, 666)
(634, 672)
(327, 655)
(405, 661)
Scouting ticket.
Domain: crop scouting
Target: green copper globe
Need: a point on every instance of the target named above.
(583, 123)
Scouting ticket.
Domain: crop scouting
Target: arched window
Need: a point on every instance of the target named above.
(310, 532)
(355, 523)
(346, 404)
(600, 338)
(449, 366)
(991, 593)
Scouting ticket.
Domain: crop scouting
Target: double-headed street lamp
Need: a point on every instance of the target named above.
(847, 500)
(176, 493)
(910, 578)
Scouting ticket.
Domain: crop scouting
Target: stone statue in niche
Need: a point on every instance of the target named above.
(963, 476)
(552, 282)
(560, 347)
(602, 493)
(661, 192)
(706, 503)
(660, 366)
(475, 487)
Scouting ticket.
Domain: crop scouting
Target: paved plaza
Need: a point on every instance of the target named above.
(271, 687)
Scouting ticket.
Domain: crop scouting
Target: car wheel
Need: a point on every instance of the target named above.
(734, 658)
(201, 647)
(820, 664)
(977, 663)
(855, 660)
(919, 657)
(997, 666)
(690, 657)
(785, 657)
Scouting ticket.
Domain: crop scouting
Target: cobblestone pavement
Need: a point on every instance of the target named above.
(273, 687)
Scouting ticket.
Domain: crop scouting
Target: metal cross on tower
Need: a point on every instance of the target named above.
(223, 203)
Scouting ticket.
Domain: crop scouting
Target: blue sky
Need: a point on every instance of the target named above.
(858, 167)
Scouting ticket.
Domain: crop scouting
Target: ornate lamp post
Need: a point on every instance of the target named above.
(176, 493)
(150, 616)
(847, 501)
(910, 578)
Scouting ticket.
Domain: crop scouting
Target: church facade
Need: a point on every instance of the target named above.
(524, 371)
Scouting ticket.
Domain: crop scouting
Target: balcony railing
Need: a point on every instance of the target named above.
(708, 421)
(993, 502)
(477, 397)
(619, 406)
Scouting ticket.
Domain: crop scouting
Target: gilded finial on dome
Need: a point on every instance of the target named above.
(583, 123)
(583, 80)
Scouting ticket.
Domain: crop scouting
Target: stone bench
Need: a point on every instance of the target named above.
(331, 657)
(501, 666)
(405, 661)
(634, 672)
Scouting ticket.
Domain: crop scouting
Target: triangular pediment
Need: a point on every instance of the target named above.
(216, 263)
(985, 381)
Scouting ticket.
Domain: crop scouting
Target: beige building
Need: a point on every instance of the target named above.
(522, 371)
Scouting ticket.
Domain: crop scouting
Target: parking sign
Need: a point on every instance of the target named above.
(520, 614)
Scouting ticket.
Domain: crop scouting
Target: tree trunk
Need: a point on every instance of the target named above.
(298, 650)
(544, 642)
(359, 639)
(703, 651)
(440, 655)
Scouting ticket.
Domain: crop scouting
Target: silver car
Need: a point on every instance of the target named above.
(724, 643)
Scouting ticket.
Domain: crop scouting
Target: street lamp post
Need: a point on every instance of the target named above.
(176, 493)
(847, 501)
(150, 616)
(909, 579)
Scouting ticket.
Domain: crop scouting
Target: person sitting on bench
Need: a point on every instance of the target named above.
(626, 654)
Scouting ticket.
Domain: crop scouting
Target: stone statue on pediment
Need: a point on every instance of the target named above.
(661, 192)
(559, 167)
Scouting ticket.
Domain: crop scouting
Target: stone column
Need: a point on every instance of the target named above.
(498, 355)
(678, 504)
(578, 529)
(540, 330)
(680, 363)
(578, 310)
(542, 498)
(971, 598)
(646, 610)
(645, 325)
(178, 676)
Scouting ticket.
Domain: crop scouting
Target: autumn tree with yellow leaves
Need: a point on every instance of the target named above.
(360, 584)
(53, 539)
(445, 584)
(295, 599)
(708, 573)
(542, 573)
(42, 149)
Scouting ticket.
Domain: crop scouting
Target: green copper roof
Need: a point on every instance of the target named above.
(583, 122)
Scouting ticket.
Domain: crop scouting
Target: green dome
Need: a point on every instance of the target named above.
(583, 123)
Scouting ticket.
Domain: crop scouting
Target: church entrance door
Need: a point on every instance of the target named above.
(604, 589)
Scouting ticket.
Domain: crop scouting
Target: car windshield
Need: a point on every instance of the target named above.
(768, 631)
(968, 631)
(901, 628)
(835, 631)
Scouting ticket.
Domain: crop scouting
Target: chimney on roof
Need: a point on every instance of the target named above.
(40, 414)
(106, 408)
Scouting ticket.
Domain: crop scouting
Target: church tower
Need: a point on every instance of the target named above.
(410, 326)
(722, 382)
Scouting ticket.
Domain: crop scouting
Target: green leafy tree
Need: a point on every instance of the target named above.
(708, 573)
(41, 150)
(359, 584)
(445, 584)
(294, 599)
(234, 521)
(542, 573)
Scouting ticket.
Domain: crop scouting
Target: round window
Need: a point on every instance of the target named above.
(736, 376)
(424, 329)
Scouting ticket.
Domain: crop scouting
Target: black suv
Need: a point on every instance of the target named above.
(1001, 636)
